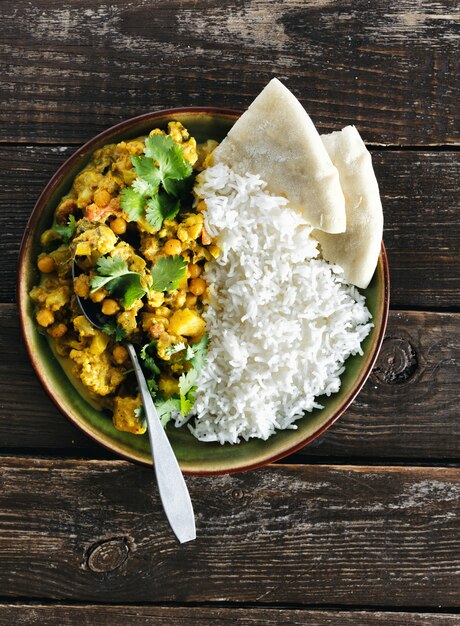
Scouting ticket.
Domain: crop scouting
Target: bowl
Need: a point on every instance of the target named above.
(195, 457)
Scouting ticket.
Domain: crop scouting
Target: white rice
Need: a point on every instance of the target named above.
(281, 321)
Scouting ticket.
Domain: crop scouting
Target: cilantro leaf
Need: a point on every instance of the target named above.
(146, 169)
(196, 354)
(161, 207)
(187, 402)
(115, 330)
(170, 158)
(178, 188)
(142, 187)
(66, 232)
(111, 266)
(187, 382)
(167, 272)
(115, 276)
(200, 350)
(132, 204)
(148, 359)
(153, 386)
(166, 409)
(187, 390)
(139, 414)
(175, 348)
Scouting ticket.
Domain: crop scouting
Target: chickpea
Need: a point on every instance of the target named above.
(110, 307)
(101, 197)
(46, 264)
(59, 330)
(45, 317)
(197, 286)
(120, 354)
(190, 300)
(172, 247)
(194, 270)
(98, 295)
(81, 286)
(118, 225)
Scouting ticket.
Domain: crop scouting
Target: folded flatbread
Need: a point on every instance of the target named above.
(276, 139)
(357, 249)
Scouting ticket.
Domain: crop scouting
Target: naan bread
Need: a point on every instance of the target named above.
(357, 249)
(276, 139)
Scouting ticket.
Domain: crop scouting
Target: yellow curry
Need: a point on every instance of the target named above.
(137, 235)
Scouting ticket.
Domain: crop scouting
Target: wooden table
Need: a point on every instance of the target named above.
(359, 528)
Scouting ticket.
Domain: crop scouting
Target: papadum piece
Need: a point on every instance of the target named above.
(276, 139)
(357, 249)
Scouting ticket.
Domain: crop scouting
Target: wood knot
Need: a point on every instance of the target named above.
(107, 555)
(396, 363)
(237, 494)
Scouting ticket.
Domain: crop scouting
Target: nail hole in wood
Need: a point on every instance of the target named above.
(396, 363)
(107, 555)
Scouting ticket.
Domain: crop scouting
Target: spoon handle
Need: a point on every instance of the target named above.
(171, 484)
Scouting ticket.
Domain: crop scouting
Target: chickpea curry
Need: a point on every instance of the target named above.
(137, 236)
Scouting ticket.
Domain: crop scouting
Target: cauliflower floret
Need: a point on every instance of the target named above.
(96, 371)
(51, 294)
(124, 416)
(100, 240)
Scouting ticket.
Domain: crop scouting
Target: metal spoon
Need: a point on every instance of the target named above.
(171, 484)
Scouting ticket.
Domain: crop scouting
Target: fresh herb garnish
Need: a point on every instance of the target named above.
(170, 158)
(148, 358)
(187, 390)
(132, 204)
(164, 176)
(187, 387)
(139, 414)
(115, 276)
(68, 231)
(166, 408)
(114, 330)
(168, 272)
(175, 348)
(159, 208)
(196, 355)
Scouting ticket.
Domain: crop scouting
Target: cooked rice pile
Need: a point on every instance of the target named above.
(281, 321)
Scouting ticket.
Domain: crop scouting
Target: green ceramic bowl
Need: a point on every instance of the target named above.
(195, 457)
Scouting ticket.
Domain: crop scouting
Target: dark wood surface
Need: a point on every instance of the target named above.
(361, 527)
(95, 530)
(37, 615)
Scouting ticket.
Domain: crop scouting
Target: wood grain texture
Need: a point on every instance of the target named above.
(70, 70)
(62, 615)
(402, 412)
(420, 201)
(322, 535)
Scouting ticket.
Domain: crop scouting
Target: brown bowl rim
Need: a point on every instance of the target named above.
(48, 189)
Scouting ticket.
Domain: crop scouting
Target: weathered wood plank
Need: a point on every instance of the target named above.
(72, 70)
(95, 530)
(407, 409)
(420, 200)
(69, 615)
